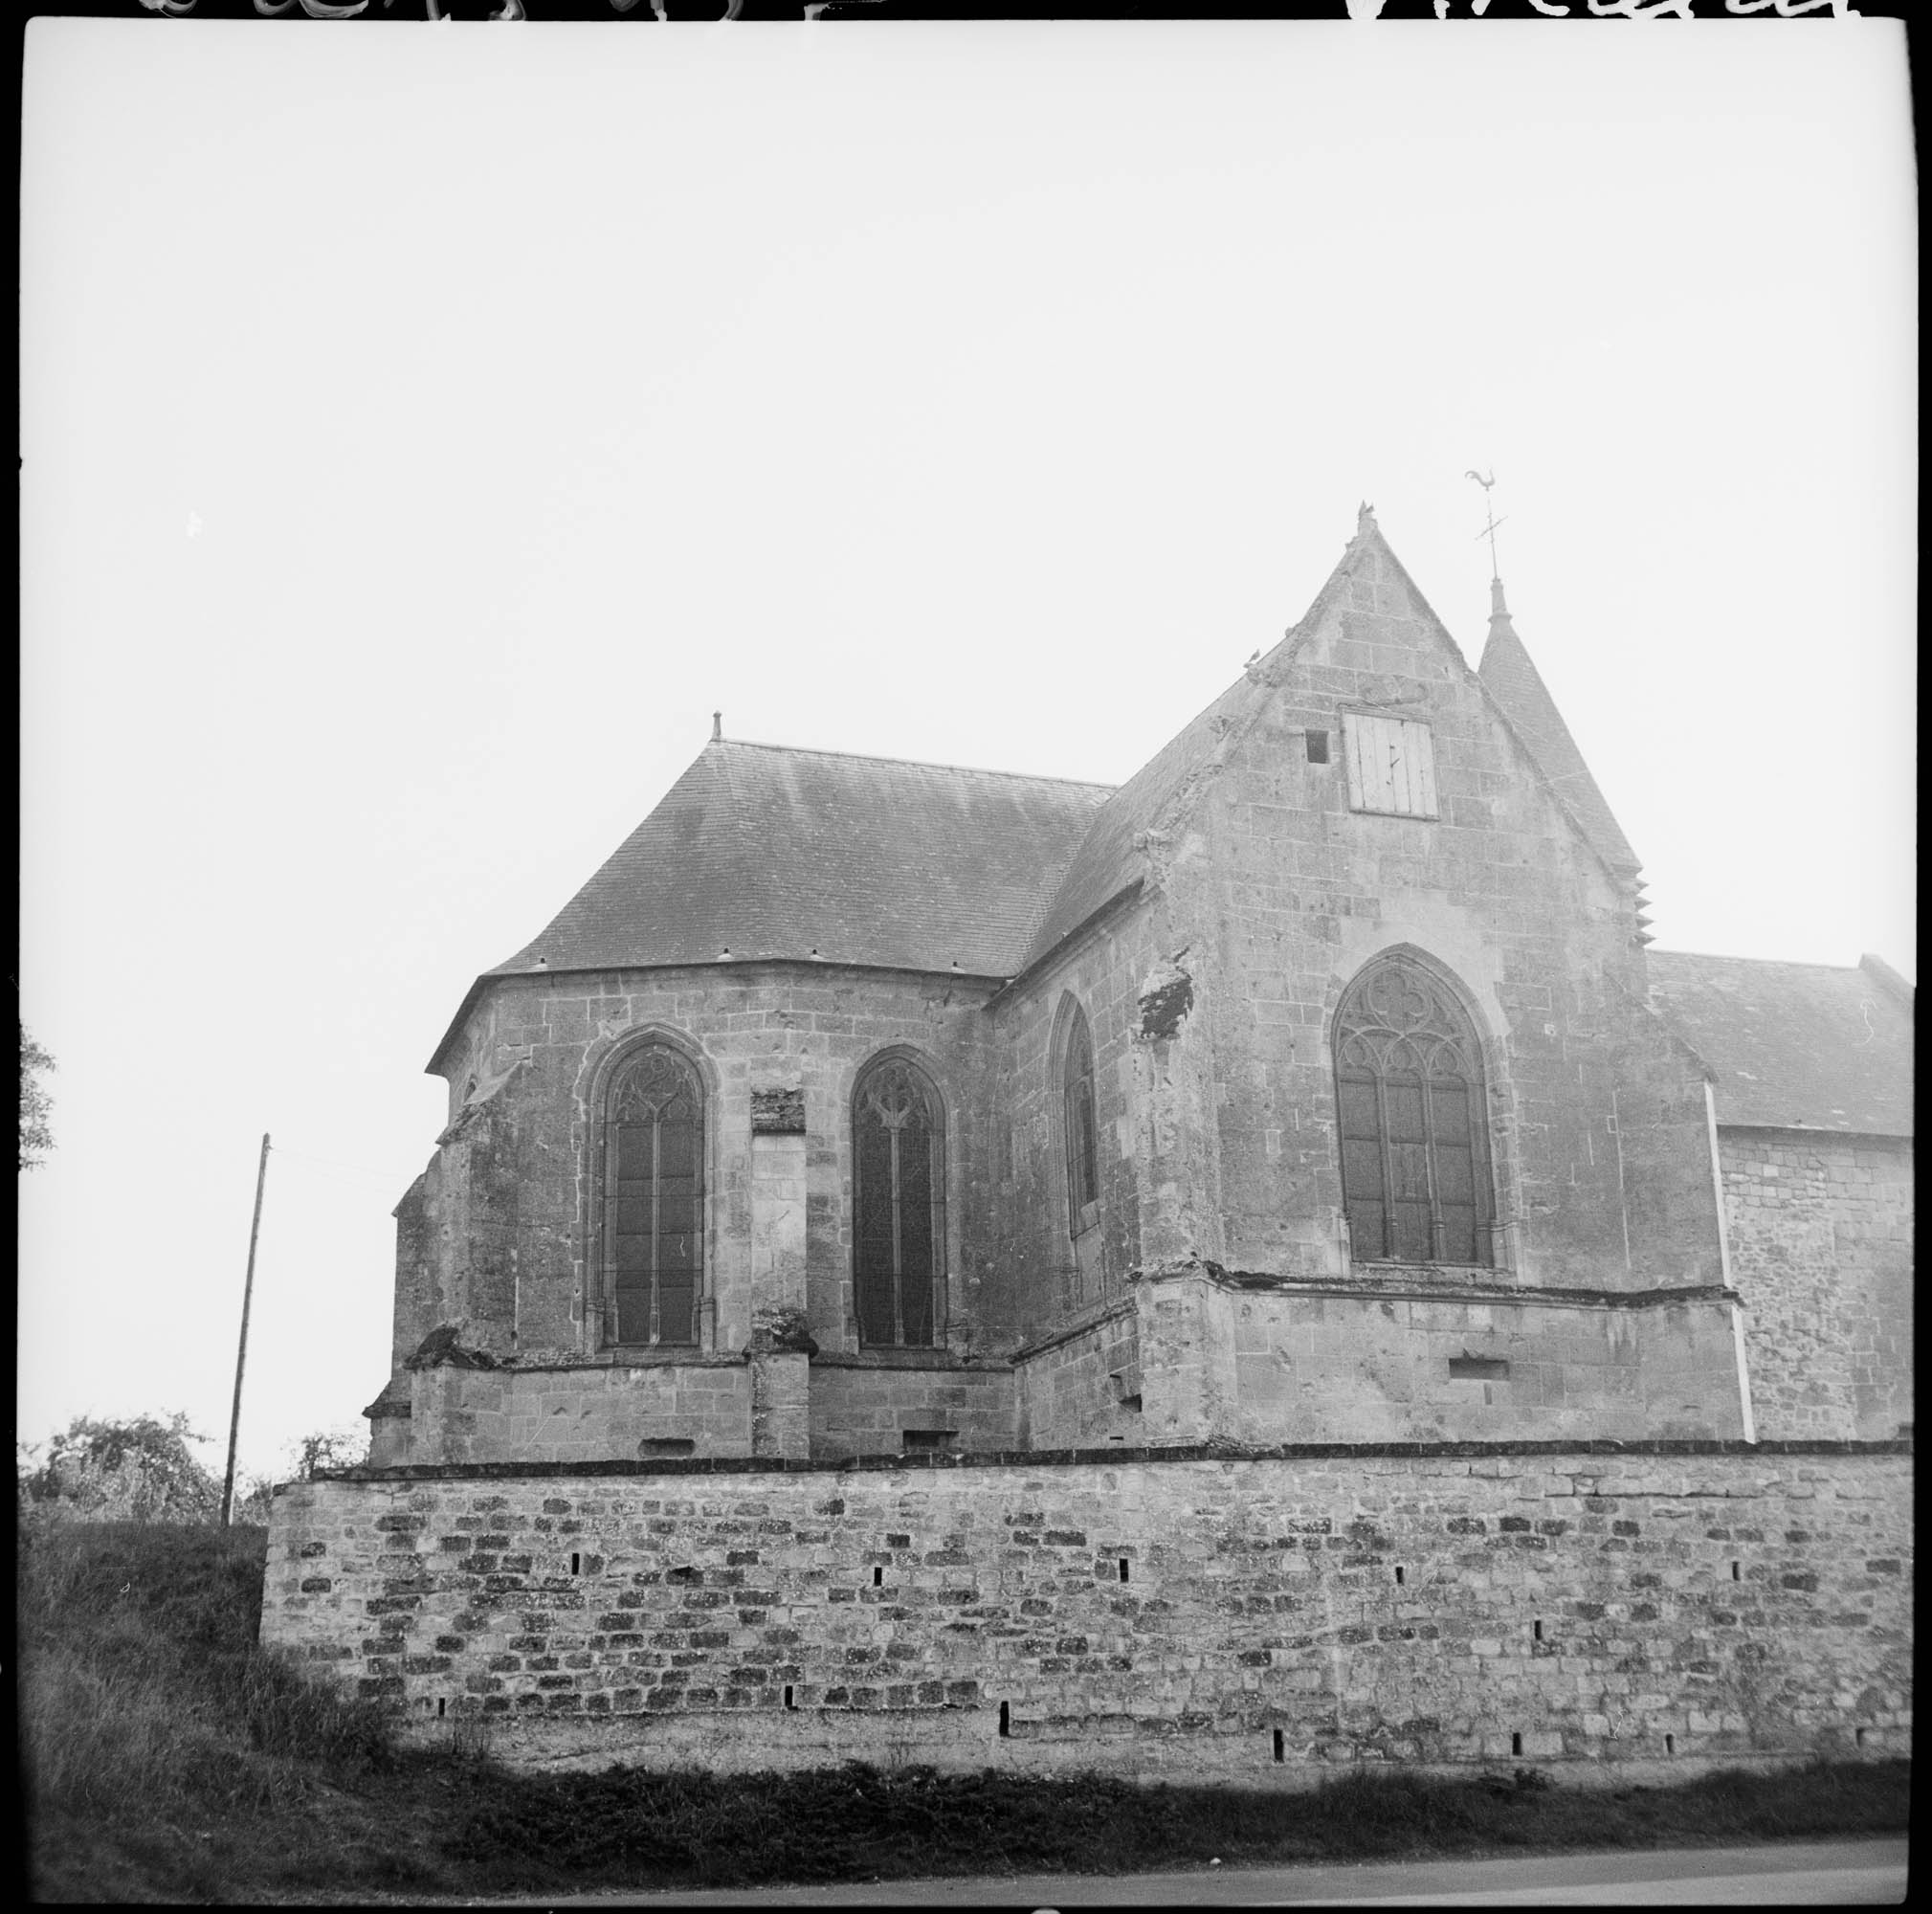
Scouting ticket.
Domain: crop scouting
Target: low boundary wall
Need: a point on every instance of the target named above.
(1263, 1617)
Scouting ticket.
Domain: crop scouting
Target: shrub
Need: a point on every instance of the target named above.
(138, 1470)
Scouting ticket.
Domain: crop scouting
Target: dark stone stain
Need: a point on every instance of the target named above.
(777, 1112)
(441, 1349)
(1162, 1009)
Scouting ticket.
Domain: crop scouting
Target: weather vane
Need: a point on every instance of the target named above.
(1489, 531)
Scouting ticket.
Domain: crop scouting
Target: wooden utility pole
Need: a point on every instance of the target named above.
(241, 1353)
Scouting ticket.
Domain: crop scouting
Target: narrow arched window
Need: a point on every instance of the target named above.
(1408, 1090)
(899, 1202)
(1081, 1127)
(654, 1200)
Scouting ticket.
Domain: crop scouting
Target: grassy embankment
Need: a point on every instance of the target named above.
(168, 1758)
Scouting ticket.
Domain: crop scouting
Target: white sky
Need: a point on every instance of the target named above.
(425, 429)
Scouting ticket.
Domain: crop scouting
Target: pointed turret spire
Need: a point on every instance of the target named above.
(1516, 685)
(1498, 610)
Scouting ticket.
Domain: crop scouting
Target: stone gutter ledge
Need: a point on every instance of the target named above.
(878, 1360)
(1094, 1318)
(1369, 1285)
(1108, 1457)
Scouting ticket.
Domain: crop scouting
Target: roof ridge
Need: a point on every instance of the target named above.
(915, 763)
(1731, 957)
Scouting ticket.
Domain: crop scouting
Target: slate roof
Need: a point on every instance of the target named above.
(1515, 685)
(768, 851)
(1795, 1046)
(1111, 856)
(771, 852)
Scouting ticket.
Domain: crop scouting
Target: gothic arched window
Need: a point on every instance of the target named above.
(1082, 1127)
(898, 1203)
(1408, 1090)
(654, 1200)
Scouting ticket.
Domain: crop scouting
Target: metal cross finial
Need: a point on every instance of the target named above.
(1489, 531)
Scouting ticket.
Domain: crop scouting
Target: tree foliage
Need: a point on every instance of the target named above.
(327, 1449)
(37, 1106)
(140, 1469)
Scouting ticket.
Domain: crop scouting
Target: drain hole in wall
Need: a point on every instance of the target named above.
(1005, 1718)
(1398, 1574)
(1124, 1567)
(1539, 1631)
(1670, 1744)
(1516, 1744)
(878, 1578)
(576, 1564)
(1736, 1577)
(788, 1702)
(442, 1705)
(928, 1442)
(1280, 1745)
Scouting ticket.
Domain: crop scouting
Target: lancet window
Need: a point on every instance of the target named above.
(654, 1201)
(899, 1202)
(1081, 1126)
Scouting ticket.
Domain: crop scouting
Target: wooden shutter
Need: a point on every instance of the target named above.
(1391, 764)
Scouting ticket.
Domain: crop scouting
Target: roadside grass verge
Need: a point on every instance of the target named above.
(167, 1757)
(625, 1827)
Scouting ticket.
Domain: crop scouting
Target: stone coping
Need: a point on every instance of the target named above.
(942, 1361)
(1057, 1458)
(1096, 1316)
(1443, 1282)
(683, 1357)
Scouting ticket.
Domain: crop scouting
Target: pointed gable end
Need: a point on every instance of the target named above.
(1153, 802)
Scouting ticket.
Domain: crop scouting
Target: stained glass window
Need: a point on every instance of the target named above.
(654, 1201)
(899, 1178)
(1415, 1177)
(1082, 1136)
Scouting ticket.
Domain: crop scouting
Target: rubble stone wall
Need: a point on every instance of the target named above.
(1265, 1618)
(1821, 1250)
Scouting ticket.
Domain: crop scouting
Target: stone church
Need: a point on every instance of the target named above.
(1316, 1085)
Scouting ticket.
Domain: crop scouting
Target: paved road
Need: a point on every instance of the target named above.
(1811, 1874)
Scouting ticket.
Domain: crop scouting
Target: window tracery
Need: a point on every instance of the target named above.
(1412, 1121)
(654, 1201)
(898, 1205)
